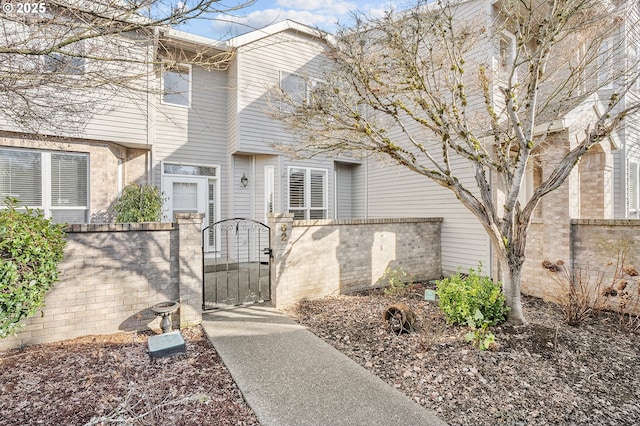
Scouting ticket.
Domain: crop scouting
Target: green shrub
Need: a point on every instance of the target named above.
(139, 203)
(459, 297)
(396, 281)
(479, 334)
(30, 249)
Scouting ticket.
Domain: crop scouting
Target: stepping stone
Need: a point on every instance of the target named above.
(167, 344)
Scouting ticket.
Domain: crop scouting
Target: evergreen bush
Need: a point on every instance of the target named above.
(31, 247)
(461, 295)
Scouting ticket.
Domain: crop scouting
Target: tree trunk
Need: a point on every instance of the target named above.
(511, 288)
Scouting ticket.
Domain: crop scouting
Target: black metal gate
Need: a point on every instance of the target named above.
(238, 271)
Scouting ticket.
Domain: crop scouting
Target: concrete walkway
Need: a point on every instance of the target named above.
(291, 377)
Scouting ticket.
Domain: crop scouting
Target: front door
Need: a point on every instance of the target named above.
(192, 195)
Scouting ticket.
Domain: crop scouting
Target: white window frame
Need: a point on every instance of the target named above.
(306, 209)
(309, 85)
(167, 68)
(633, 190)
(47, 206)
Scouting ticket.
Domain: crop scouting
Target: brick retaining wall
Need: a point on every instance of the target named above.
(113, 273)
(316, 258)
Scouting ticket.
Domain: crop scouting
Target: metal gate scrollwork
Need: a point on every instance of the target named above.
(238, 271)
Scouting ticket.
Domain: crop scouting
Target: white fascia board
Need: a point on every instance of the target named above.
(185, 37)
(274, 29)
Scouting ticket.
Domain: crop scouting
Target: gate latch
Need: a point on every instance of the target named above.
(268, 251)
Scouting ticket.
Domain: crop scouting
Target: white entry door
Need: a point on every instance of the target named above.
(192, 195)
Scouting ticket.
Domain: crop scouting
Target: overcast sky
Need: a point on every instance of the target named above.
(323, 14)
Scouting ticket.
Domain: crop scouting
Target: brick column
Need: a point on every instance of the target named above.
(190, 267)
(281, 227)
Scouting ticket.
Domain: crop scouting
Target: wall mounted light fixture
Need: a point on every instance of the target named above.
(244, 180)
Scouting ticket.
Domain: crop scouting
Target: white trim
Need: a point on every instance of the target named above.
(269, 190)
(273, 29)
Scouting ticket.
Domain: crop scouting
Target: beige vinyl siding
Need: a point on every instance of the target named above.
(112, 114)
(259, 66)
(396, 192)
(196, 135)
(242, 197)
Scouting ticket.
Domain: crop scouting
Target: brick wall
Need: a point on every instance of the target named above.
(112, 274)
(317, 258)
(598, 245)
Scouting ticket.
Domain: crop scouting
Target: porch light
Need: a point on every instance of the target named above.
(244, 180)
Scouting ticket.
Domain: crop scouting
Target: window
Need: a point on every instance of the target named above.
(55, 182)
(295, 89)
(176, 85)
(64, 64)
(308, 193)
(605, 64)
(506, 53)
(632, 186)
(70, 62)
(269, 190)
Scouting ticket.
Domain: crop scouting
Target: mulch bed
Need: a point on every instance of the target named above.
(546, 373)
(102, 380)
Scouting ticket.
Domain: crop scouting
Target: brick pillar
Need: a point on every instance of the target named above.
(190, 267)
(281, 226)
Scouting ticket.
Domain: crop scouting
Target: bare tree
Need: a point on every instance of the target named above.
(452, 86)
(61, 59)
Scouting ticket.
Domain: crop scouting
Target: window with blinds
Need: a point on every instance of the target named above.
(308, 193)
(54, 182)
(632, 186)
(21, 177)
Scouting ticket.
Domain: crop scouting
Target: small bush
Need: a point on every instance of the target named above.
(30, 249)
(139, 203)
(396, 281)
(479, 334)
(460, 296)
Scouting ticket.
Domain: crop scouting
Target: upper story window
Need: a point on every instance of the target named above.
(605, 64)
(71, 62)
(295, 88)
(55, 182)
(308, 193)
(64, 64)
(506, 53)
(176, 85)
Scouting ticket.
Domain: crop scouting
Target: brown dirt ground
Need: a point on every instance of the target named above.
(543, 373)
